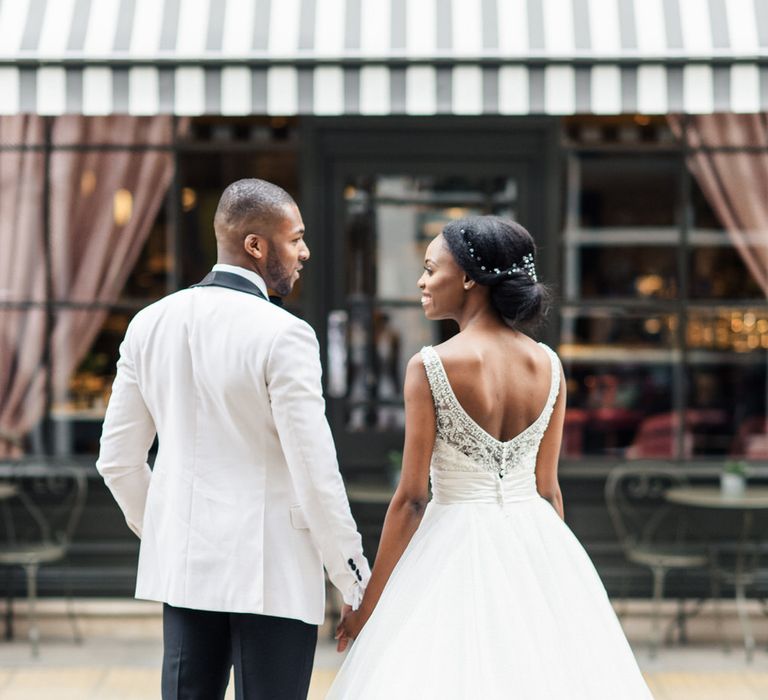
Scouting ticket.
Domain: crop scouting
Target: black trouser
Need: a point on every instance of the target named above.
(272, 656)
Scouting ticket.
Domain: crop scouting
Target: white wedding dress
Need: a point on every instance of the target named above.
(494, 597)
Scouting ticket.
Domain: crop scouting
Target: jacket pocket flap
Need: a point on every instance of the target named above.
(298, 519)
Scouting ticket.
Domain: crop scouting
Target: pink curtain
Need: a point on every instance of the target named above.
(22, 279)
(103, 204)
(734, 183)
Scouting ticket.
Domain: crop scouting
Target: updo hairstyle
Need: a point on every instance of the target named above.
(500, 254)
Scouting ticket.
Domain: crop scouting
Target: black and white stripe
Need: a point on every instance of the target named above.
(329, 57)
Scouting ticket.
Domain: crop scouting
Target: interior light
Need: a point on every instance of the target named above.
(188, 198)
(87, 183)
(122, 207)
(649, 285)
(652, 326)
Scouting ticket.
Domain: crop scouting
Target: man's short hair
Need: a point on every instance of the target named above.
(251, 204)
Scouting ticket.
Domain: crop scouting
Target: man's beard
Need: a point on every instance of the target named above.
(279, 277)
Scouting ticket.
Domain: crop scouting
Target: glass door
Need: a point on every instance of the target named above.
(381, 214)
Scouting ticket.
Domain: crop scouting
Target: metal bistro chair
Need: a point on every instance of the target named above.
(652, 532)
(37, 524)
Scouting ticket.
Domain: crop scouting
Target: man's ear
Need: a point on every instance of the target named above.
(255, 245)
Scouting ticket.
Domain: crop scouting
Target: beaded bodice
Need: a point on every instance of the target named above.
(462, 445)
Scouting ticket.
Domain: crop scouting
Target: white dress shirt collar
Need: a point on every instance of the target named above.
(250, 275)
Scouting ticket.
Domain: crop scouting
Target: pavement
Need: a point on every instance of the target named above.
(119, 657)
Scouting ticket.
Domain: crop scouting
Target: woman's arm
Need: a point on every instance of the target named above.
(407, 506)
(549, 453)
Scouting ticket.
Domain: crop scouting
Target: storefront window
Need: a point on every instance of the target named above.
(660, 306)
(654, 243)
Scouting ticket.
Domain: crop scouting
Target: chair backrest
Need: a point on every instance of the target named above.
(48, 500)
(657, 437)
(757, 447)
(750, 438)
(634, 494)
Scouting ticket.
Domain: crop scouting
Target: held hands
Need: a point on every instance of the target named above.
(349, 627)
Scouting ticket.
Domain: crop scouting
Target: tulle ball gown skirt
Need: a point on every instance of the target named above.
(492, 601)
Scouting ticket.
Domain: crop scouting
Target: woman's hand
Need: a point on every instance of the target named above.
(349, 627)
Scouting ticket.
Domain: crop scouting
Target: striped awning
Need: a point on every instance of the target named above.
(326, 57)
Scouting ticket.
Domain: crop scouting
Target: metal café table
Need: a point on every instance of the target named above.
(753, 499)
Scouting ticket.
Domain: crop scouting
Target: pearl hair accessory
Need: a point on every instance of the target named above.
(526, 265)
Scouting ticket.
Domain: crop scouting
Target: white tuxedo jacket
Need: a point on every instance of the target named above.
(245, 503)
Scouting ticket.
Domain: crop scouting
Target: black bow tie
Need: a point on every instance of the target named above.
(277, 301)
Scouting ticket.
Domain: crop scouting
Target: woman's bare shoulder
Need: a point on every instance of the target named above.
(463, 352)
(458, 353)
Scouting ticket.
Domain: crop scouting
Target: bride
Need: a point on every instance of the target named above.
(483, 591)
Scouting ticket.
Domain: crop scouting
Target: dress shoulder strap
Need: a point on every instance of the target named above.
(438, 380)
(554, 386)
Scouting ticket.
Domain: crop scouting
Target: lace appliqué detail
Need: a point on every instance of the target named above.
(458, 430)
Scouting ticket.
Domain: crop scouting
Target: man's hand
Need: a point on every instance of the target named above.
(349, 627)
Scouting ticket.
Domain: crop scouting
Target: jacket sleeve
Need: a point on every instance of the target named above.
(298, 409)
(126, 437)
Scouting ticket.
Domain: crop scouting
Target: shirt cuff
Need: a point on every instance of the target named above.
(354, 597)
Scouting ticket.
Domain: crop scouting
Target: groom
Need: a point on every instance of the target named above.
(245, 503)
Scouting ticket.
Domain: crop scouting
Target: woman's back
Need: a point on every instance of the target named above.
(501, 380)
